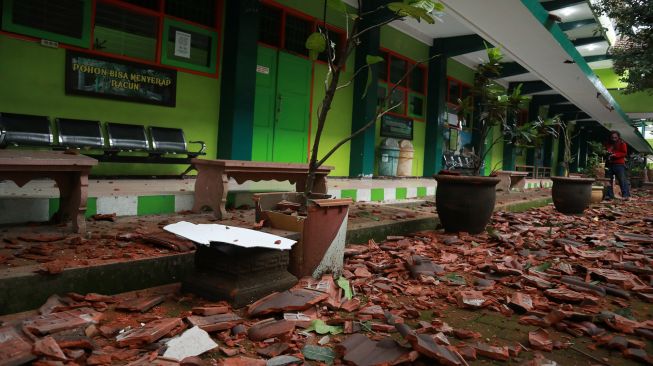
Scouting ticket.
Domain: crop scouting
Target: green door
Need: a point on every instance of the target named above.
(264, 104)
(293, 109)
(282, 107)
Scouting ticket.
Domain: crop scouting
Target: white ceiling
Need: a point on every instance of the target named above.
(534, 47)
(575, 12)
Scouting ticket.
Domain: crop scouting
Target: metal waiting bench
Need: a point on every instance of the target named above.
(158, 143)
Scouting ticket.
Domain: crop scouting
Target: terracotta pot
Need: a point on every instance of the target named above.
(465, 203)
(323, 231)
(571, 195)
(597, 194)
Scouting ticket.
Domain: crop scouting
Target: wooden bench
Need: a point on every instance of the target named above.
(529, 169)
(69, 171)
(511, 179)
(212, 183)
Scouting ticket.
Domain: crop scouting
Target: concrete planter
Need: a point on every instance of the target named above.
(323, 231)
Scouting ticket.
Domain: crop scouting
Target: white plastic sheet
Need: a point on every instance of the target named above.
(246, 238)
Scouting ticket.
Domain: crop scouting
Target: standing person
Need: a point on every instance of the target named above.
(616, 164)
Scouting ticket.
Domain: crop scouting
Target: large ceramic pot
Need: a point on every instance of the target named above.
(571, 195)
(465, 203)
(597, 194)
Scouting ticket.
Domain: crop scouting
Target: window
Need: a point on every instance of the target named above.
(200, 56)
(269, 30)
(66, 21)
(296, 32)
(410, 91)
(178, 33)
(456, 89)
(197, 11)
(122, 32)
(288, 31)
(337, 38)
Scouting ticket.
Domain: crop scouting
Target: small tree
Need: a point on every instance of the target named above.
(357, 26)
(567, 134)
(496, 108)
(633, 53)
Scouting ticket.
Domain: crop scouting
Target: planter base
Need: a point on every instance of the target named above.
(239, 275)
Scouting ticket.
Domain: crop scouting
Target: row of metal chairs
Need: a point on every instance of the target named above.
(89, 136)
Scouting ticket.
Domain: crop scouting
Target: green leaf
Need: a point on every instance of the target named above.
(338, 5)
(543, 267)
(320, 327)
(315, 43)
(346, 287)
(317, 353)
(373, 59)
(408, 10)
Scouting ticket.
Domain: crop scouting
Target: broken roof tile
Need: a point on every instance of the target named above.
(291, 300)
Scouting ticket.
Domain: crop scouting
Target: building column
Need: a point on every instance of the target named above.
(363, 147)
(575, 152)
(436, 109)
(547, 151)
(238, 75)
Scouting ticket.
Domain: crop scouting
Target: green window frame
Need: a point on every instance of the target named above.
(84, 42)
(415, 95)
(169, 23)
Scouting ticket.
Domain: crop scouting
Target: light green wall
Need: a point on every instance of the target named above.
(630, 103)
(403, 44)
(33, 83)
(459, 71)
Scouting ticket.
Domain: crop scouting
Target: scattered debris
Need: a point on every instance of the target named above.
(192, 342)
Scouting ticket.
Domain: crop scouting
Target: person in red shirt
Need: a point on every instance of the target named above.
(616, 164)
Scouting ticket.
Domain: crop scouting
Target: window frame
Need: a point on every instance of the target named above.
(87, 23)
(164, 60)
(408, 91)
(87, 42)
(298, 14)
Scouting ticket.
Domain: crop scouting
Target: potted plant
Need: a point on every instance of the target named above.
(636, 176)
(595, 168)
(321, 221)
(571, 195)
(466, 203)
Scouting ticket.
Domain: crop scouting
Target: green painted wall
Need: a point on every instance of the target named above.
(33, 83)
(459, 71)
(630, 103)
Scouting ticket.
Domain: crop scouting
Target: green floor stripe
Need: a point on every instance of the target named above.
(377, 194)
(152, 205)
(348, 193)
(421, 192)
(53, 207)
(402, 192)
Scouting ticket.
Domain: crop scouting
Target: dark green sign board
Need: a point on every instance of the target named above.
(105, 77)
(397, 127)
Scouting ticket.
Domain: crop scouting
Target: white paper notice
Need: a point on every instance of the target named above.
(182, 44)
(246, 238)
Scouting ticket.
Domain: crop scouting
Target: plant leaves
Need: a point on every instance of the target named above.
(373, 59)
(315, 43)
(338, 5)
(408, 10)
(320, 327)
(317, 353)
(346, 287)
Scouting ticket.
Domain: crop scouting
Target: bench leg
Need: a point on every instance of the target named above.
(211, 188)
(73, 193)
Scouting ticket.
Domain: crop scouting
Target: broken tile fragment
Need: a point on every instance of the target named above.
(141, 304)
(470, 299)
(493, 352)
(540, 339)
(291, 300)
(270, 328)
(215, 323)
(149, 333)
(56, 322)
(15, 348)
(359, 350)
(48, 347)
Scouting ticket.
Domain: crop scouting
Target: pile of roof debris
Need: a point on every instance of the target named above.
(564, 278)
